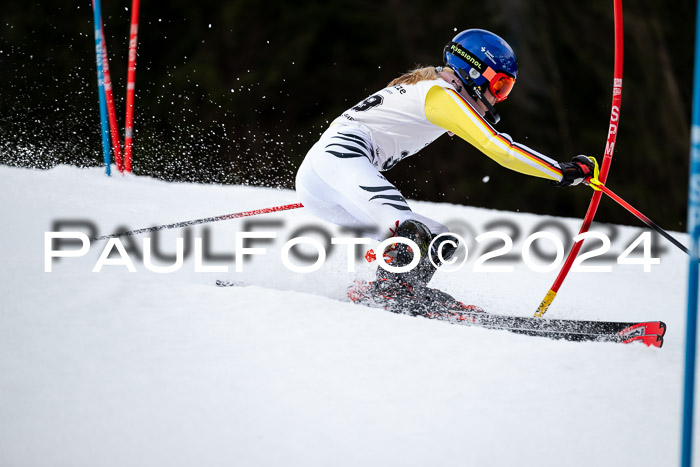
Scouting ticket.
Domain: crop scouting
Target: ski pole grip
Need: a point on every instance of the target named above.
(593, 181)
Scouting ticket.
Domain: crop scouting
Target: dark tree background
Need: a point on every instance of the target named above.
(237, 91)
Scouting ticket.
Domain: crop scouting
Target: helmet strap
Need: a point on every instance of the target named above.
(491, 114)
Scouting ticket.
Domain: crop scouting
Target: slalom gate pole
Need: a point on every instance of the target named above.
(642, 217)
(130, 85)
(694, 231)
(205, 220)
(607, 159)
(97, 14)
(111, 113)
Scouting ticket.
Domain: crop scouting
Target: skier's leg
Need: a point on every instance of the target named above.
(338, 183)
(432, 254)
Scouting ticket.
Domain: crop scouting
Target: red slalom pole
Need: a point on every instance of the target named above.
(205, 220)
(130, 85)
(605, 167)
(111, 113)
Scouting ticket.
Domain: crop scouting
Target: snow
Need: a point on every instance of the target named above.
(146, 369)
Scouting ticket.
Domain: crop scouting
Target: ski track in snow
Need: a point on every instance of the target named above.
(142, 369)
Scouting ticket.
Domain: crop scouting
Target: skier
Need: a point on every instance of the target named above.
(340, 180)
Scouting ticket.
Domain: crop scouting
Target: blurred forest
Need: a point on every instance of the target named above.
(238, 91)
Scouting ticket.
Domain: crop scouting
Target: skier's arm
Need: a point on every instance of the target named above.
(447, 109)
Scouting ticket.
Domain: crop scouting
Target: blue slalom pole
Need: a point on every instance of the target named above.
(694, 232)
(97, 11)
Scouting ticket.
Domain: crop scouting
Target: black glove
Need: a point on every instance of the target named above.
(579, 169)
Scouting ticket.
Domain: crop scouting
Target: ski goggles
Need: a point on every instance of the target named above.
(500, 84)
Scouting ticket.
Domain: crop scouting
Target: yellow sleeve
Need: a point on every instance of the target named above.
(447, 109)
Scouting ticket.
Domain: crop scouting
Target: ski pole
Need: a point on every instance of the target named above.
(639, 215)
(202, 221)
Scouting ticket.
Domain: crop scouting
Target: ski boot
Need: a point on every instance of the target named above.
(407, 292)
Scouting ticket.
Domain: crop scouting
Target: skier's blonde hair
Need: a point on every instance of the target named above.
(417, 74)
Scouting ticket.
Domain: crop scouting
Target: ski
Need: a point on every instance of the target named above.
(573, 326)
(654, 340)
(648, 332)
(569, 330)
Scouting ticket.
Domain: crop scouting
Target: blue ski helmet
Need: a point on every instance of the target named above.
(482, 60)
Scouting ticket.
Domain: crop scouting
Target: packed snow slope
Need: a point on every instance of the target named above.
(144, 368)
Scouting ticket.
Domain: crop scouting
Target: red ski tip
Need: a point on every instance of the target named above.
(650, 340)
(640, 329)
